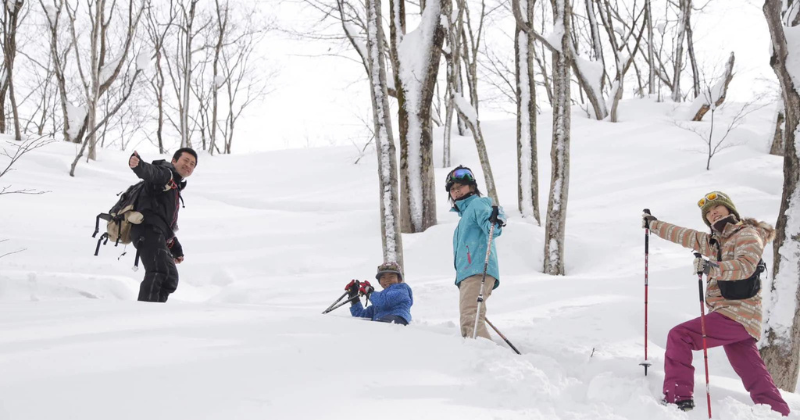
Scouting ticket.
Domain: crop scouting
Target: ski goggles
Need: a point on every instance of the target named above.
(460, 174)
(711, 197)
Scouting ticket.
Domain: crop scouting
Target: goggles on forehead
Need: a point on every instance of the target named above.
(711, 197)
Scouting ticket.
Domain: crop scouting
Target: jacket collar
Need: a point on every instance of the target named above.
(461, 205)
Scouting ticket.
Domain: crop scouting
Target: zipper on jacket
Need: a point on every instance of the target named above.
(469, 258)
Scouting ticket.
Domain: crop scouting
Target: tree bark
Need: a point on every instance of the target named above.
(690, 49)
(651, 75)
(387, 158)
(555, 225)
(527, 156)
(676, 78)
(415, 80)
(782, 342)
(727, 77)
(777, 138)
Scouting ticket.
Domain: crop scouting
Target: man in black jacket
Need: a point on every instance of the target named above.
(154, 239)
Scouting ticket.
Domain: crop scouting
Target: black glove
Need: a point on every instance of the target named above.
(646, 219)
(175, 248)
(352, 289)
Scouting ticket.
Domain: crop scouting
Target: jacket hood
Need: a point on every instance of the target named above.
(764, 229)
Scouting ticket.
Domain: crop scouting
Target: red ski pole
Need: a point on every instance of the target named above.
(703, 330)
(646, 363)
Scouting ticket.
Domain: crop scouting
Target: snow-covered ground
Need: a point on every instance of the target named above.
(272, 238)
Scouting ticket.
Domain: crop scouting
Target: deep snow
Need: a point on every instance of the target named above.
(272, 238)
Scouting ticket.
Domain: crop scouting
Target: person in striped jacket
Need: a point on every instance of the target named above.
(734, 249)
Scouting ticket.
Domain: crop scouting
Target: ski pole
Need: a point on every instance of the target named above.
(501, 335)
(646, 363)
(703, 330)
(334, 303)
(340, 305)
(493, 219)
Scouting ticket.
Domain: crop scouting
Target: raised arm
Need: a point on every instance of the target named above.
(685, 237)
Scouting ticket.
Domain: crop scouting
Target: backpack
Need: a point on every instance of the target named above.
(744, 288)
(120, 218)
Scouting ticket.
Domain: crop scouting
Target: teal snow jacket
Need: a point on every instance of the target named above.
(471, 236)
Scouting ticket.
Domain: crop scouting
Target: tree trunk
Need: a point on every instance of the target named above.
(777, 138)
(453, 80)
(527, 158)
(727, 77)
(782, 344)
(555, 224)
(415, 81)
(651, 78)
(387, 158)
(690, 49)
(676, 78)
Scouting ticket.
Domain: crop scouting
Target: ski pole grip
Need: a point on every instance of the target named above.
(646, 211)
(495, 212)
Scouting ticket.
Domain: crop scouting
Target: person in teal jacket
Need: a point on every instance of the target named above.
(469, 247)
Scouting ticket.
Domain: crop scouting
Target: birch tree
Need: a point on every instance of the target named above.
(777, 146)
(415, 60)
(555, 224)
(12, 15)
(99, 73)
(683, 18)
(527, 155)
(469, 111)
(781, 343)
(157, 24)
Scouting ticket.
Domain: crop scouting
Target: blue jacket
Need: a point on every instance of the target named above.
(393, 300)
(470, 237)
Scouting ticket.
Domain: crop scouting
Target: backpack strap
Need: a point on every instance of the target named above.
(715, 243)
(99, 241)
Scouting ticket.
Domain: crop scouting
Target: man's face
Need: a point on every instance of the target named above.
(185, 164)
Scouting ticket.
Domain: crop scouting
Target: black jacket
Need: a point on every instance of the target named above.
(160, 200)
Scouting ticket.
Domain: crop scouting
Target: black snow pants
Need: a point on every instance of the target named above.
(161, 274)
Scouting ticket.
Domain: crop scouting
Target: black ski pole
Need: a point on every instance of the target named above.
(703, 330)
(341, 304)
(646, 363)
(334, 303)
(493, 219)
(501, 335)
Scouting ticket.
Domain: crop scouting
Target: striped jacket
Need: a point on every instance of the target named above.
(742, 245)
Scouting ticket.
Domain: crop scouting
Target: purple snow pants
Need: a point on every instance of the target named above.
(742, 354)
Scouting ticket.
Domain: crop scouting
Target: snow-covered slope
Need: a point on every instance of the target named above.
(271, 239)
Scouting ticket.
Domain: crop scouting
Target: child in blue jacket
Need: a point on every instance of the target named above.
(393, 304)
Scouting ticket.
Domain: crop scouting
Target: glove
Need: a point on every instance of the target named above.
(498, 216)
(352, 288)
(366, 289)
(175, 248)
(704, 266)
(646, 219)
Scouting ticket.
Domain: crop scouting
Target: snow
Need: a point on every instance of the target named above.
(144, 61)
(272, 238)
(466, 108)
(107, 71)
(76, 115)
(412, 52)
(593, 70)
(554, 38)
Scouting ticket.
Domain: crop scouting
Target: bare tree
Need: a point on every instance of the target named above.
(717, 142)
(685, 7)
(14, 152)
(716, 95)
(469, 111)
(415, 71)
(555, 224)
(781, 348)
(387, 163)
(12, 15)
(158, 27)
(651, 72)
(527, 155)
(102, 70)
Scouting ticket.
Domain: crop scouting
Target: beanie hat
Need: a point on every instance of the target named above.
(713, 199)
(390, 267)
